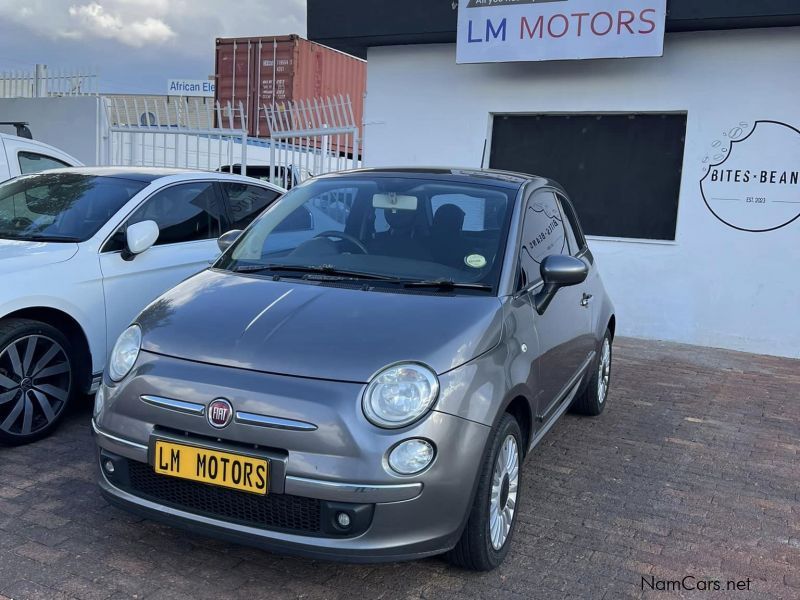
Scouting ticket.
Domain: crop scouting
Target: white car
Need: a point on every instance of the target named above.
(20, 156)
(82, 251)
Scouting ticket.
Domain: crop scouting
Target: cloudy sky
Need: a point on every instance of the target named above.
(135, 45)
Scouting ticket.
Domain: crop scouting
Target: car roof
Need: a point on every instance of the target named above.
(38, 144)
(150, 174)
(146, 174)
(493, 177)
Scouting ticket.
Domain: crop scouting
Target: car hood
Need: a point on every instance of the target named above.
(318, 331)
(18, 256)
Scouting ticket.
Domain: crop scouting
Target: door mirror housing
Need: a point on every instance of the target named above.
(558, 270)
(226, 239)
(139, 237)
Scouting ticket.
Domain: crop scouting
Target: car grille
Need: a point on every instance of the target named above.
(273, 511)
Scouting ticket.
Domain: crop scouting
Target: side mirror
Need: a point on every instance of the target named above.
(138, 238)
(226, 239)
(558, 270)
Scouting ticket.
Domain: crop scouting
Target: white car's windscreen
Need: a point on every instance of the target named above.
(61, 207)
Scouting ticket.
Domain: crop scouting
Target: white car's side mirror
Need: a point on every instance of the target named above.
(139, 237)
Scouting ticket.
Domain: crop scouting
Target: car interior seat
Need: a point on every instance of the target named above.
(445, 242)
(401, 239)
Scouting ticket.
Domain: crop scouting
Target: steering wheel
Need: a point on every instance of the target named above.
(344, 236)
(21, 222)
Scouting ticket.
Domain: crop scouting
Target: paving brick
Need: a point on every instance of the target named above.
(692, 470)
(40, 553)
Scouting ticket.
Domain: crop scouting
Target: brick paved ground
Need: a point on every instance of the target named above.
(693, 470)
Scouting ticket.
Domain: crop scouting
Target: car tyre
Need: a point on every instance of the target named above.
(478, 549)
(592, 401)
(37, 380)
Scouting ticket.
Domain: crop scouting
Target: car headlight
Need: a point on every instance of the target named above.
(400, 394)
(125, 353)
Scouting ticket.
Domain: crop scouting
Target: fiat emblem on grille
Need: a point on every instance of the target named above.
(220, 413)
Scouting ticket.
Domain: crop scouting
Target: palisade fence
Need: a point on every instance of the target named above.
(44, 83)
(316, 135)
(307, 137)
(159, 134)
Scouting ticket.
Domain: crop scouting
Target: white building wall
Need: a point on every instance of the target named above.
(715, 285)
(71, 124)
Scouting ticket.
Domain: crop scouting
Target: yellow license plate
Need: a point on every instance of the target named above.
(224, 469)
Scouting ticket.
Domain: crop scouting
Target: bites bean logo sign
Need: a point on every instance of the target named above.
(536, 30)
(751, 177)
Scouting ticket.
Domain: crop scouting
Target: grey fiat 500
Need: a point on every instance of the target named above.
(363, 371)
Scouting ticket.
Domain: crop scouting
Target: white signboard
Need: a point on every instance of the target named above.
(533, 30)
(190, 87)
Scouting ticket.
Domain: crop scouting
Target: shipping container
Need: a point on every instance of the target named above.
(267, 71)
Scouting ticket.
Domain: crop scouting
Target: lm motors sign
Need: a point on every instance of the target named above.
(534, 30)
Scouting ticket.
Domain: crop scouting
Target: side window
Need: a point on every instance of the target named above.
(31, 162)
(186, 212)
(543, 234)
(576, 240)
(246, 202)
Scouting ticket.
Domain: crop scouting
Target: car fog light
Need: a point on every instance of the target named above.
(109, 465)
(411, 456)
(343, 520)
(99, 400)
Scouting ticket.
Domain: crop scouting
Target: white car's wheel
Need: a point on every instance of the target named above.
(37, 379)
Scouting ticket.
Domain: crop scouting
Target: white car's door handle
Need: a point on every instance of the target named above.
(585, 300)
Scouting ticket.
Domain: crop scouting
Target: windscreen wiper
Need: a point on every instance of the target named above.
(313, 269)
(448, 284)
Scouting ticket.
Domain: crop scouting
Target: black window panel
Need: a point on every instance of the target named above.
(246, 202)
(622, 172)
(574, 234)
(572, 240)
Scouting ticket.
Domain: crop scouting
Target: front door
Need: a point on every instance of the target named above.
(190, 218)
(562, 329)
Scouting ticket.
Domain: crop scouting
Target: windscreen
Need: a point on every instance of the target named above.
(66, 207)
(401, 228)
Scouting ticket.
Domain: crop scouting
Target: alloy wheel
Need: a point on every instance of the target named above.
(505, 480)
(35, 383)
(604, 371)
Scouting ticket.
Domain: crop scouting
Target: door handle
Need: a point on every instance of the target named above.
(585, 300)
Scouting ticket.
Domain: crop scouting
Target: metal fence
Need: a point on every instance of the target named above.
(308, 137)
(313, 136)
(43, 83)
(144, 132)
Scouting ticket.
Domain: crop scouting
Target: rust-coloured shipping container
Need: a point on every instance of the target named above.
(261, 70)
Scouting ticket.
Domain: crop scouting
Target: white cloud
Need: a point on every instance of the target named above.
(93, 19)
(187, 27)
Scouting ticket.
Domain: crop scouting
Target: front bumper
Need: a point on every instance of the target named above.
(338, 467)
